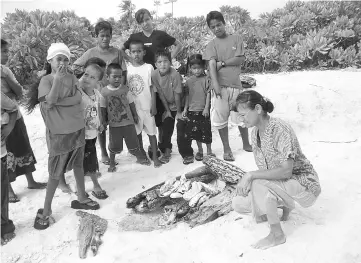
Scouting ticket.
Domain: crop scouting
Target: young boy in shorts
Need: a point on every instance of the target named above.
(168, 83)
(140, 85)
(103, 50)
(225, 55)
(120, 114)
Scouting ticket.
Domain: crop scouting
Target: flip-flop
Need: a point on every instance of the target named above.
(228, 157)
(144, 161)
(108, 162)
(249, 151)
(6, 238)
(14, 199)
(88, 205)
(112, 169)
(41, 222)
(164, 159)
(199, 156)
(100, 195)
(41, 186)
(188, 160)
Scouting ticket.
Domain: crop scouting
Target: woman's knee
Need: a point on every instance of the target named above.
(242, 204)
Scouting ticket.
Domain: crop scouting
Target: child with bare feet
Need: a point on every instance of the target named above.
(196, 109)
(140, 84)
(91, 104)
(119, 112)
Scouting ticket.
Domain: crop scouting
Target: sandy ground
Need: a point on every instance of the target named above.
(321, 106)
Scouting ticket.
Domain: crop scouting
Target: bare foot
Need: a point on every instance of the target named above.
(286, 213)
(105, 159)
(65, 188)
(271, 240)
(6, 238)
(157, 163)
(261, 219)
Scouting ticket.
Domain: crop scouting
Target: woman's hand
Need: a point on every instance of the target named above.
(244, 185)
(205, 113)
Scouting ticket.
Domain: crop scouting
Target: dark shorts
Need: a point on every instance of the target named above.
(60, 164)
(160, 111)
(90, 163)
(198, 127)
(118, 134)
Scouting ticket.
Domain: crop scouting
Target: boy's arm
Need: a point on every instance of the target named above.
(239, 57)
(14, 85)
(213, 73)
(134, 112)
(7, 128)
(153, 110)
(79, 64)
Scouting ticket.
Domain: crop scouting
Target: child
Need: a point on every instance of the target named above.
(225, 54)
(120, 114)
(8, 119)
(60, 106)
(91, 104)
(140, 84)
(21, 159)
(197, 106)
(167, 83)
(154, 40)
(103, 50)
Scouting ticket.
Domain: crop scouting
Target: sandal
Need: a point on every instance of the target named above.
(87, 205)
(228, 157)
(40, 186)
(41, 222)
(164, 159)
(14, 199)
(6, 238)
(100, 195)
(199, 156)
(188, 160)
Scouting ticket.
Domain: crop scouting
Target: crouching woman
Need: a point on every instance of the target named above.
(285, 176)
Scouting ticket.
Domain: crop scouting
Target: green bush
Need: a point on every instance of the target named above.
(302, 35)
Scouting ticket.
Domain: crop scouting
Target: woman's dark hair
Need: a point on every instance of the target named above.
(103, 25)
(94, 60)
(139, 15)
(215, 15)
(163, 53)
(33, 91)
(195, 59)
(251, 98)
(4, 43)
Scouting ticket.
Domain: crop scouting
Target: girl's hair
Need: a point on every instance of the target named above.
(251, 98)
(139, 15)
(33, 91)
(195, 59)
(163, 53)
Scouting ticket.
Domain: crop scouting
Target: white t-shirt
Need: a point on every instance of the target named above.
(139, 82)
(91, 106)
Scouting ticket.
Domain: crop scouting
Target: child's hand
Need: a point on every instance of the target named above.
(184, 114)
(205, 113)
(166, 114)
(153, 111)
(101, 129)
(217, 91)
(61, 72)
(3, 73)
(179, 116)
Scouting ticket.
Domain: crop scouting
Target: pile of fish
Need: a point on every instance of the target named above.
(196, 197)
